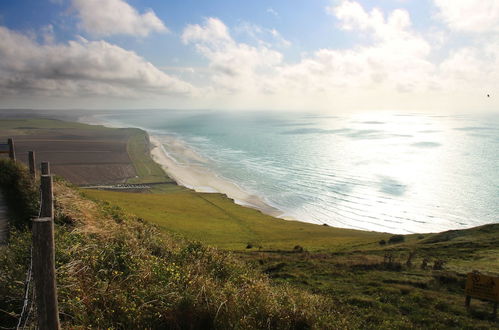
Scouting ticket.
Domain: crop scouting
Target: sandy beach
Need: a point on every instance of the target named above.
(200, 179)
(193, 175)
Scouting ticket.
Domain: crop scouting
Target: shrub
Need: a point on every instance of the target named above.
(382, 242)
(20, 193)
(298, 249)
(396, 239)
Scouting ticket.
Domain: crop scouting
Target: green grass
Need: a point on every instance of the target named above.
(386, 298)
(216, 220)
(114, 271)
(347, 266)
(396, 294)
(147, 170)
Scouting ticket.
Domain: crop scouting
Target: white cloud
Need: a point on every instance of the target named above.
(470, 15)
(236, 66)
(392, 66)
(263, 36)
(395, 68)
(79, 68)
(110, 17)
(396, 61)
(396, 58)
(214, 33)
(48, 34)
(471, 68)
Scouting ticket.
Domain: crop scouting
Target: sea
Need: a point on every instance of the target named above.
(389, 172)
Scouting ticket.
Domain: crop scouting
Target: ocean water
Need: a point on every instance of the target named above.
(399, 173)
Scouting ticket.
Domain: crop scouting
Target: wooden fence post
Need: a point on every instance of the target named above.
(45, 166)
(47, 207)
(44, 273)
(31, 161)
(12, 151)
(44, 257)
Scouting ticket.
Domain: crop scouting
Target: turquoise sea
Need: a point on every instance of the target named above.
(399, 173)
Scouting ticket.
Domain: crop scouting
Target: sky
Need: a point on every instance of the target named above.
(315, 55)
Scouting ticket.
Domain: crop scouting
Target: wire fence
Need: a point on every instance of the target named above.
(28, 300)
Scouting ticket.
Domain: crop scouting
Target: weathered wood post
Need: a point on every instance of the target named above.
(44, 274)
(47, 207)
(44, 259)
(12, 151)
(31, 161)
(45, 166)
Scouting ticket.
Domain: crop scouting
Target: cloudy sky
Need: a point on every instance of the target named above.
(325, 55)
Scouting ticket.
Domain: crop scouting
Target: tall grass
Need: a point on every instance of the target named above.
(116, 271)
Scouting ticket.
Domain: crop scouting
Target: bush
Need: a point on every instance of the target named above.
(382, 242)
(298, 249)
(396, 239)
(20, 193)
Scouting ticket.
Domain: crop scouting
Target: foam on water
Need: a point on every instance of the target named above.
(399, 173)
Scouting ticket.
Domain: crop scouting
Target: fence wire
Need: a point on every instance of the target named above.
(26, 311)
(27, 287)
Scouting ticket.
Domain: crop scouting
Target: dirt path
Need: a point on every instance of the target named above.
(4, 224)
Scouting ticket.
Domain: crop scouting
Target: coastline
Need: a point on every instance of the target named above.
(259, 204)
(199, 179)
(194, 176)
(198, 172)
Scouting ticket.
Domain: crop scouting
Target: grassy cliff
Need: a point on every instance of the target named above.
(116, 271)
(388, 281)
(216, 220)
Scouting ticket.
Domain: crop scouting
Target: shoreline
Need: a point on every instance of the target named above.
(184, 166)
(202, 180)
(265, 208)
(193, 176)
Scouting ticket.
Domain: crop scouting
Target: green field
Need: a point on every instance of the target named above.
(147, 170)
(216, 220)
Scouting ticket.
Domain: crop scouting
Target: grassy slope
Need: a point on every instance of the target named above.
(115, 271)
(147, 170)
(214, 219)
(346, 265)
(395, 293)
